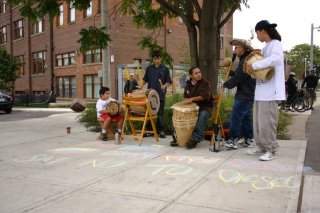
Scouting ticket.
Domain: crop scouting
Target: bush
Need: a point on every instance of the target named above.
(89, 118)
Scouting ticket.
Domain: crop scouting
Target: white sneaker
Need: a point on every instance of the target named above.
(268, 156)
(255, 151)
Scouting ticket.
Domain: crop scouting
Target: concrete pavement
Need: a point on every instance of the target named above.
(44, 169)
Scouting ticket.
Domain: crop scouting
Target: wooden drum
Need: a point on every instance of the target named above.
(263, 74)
(113, 108)
(184, 120)
(153, 98)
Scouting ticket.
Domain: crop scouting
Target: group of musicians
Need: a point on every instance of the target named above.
(258, 97)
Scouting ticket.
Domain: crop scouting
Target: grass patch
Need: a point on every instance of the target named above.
(282, 129)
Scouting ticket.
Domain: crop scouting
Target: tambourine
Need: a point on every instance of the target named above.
(263, 74)
(113, 108)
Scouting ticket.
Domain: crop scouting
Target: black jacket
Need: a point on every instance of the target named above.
(245, 84)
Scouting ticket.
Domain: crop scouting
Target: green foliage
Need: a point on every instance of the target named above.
(151, 44)
(8, 67)
(297, 56)
(282, 129)
(89, 118)
(93, 38)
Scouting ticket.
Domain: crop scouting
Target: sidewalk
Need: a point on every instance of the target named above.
(44, 169)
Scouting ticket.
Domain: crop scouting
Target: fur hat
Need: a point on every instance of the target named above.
(247, 46)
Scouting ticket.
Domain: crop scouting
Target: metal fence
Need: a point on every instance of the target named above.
(26, 99)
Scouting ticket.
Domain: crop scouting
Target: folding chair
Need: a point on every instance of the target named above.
(131, 117)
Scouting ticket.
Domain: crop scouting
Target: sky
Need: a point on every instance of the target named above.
(294, 19)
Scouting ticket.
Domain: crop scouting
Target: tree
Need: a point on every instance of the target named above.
(203, 19)
(299, 55)
(8, 67)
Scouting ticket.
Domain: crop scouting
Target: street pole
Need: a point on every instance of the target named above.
(305, 67)
(311, 48)
(106, 51)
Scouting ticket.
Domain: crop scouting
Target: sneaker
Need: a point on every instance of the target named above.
(192, 144)
(255, 151)
(268, 156)
(173, 143)
(250, 143)
(232, 143)
(104, 136)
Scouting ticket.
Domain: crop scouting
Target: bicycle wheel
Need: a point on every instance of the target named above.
(298, 105)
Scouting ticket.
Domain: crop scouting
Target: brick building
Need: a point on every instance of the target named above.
(70, 73)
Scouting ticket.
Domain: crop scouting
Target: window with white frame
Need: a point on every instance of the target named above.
(66, 86)
(65, 59)
(60, 16)
(39, 63)
(38, 27)
(88, 11)
(92, 85)
(3, 6)
(18, 29)
(3, 35)
(92, 56)
(71, 12)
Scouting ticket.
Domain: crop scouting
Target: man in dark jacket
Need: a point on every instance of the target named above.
(241, 116)
(312, 82)
(157, 76)
(198, 91)
(130, 85)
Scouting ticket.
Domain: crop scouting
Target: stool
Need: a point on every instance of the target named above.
(110, 129)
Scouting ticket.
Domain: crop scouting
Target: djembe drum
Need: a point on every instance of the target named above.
(113, 108)
(263, 74)
(184, 120)
(153, 99)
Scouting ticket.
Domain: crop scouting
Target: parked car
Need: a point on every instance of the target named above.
(6, 102)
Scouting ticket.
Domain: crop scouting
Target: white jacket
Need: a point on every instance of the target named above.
(274, 89)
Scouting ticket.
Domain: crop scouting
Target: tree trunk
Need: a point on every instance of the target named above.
(209, 43)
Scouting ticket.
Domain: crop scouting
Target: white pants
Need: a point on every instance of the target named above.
(265, 122)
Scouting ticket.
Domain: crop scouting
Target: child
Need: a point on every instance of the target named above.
(103, 114)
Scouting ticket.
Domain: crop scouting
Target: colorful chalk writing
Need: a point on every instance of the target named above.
(43, 158)
(102, 164)
(171, 169)
(259, 182)
(72, 150)
(265, 166)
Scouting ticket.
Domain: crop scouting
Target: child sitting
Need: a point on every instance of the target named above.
(103, 113)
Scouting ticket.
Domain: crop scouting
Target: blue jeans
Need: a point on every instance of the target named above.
(203, 117)
(241, 123)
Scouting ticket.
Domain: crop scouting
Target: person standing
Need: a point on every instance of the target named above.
(198, 91)
(241, 115)
(130, 85)
(311, 81)
(268, 93)
(291, 88)
(157, 76)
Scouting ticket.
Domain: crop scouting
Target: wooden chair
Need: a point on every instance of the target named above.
(131, 117)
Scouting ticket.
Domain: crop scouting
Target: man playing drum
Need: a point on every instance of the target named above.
(198, 91)
(104, 115)
(158, 78)
(241, 115)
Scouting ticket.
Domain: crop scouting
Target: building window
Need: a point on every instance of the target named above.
(38, 26)
(60, 16)
(18, 29)
(221, 42)
(71, 12)
(3, 6)
(65, 59)
(3, 35)
(20, 71)
(92, 85)
(66, 87)
(92, 56)
(88, 11)
(39, 63)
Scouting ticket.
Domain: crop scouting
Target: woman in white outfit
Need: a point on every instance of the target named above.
(268, 93)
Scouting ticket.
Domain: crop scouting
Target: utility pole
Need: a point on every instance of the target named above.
(106, 51)
(311, 47)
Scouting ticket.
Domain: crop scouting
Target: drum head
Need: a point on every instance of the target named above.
(113, 108)
(154, 101)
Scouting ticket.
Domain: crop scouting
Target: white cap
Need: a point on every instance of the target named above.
(292, 73)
